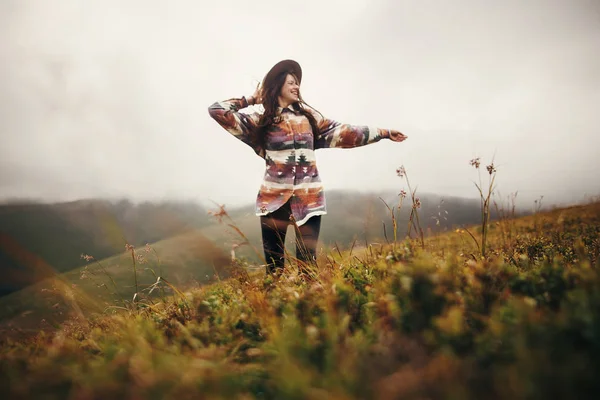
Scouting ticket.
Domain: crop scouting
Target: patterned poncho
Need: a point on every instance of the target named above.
(289, 153)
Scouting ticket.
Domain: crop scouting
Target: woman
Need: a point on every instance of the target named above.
(286, 135)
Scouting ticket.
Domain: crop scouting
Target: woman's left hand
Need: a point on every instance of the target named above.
(397, 136)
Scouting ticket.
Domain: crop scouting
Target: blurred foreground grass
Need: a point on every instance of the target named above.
(386, 321)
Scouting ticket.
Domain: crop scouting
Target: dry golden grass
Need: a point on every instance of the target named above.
(400, 320)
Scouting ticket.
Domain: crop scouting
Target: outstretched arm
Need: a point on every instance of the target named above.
(334, 134)
(239, 124)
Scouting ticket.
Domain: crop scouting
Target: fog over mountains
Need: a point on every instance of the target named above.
(108, 99)
(55, 235)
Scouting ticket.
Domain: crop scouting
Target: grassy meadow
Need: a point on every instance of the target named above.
(404, 319)
(507, 309)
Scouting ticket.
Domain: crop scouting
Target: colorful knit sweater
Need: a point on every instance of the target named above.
(289, 153)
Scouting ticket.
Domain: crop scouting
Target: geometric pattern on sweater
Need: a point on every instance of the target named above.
(289, 153)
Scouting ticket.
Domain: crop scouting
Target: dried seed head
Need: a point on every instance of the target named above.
(401, 171)
(491, 168)
(476, 162)
(219, 214)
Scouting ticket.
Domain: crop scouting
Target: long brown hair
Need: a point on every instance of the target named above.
(270, 103)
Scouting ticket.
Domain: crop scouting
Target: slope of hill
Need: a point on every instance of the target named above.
(187, 260)
(38, 240)
(393, 321)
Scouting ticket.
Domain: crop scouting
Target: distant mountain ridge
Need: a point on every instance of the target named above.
(38, 240)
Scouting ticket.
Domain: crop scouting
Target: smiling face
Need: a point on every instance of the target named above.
(290, 91)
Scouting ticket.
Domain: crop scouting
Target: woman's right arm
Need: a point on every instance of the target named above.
(240, 125)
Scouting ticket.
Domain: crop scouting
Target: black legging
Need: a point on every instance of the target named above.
(274, 227)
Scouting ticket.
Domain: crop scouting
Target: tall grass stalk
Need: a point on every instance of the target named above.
(506, 215)
(485, 200)
(537, 207)
(393, 212)
(104, 271)
(131, 248)
(416, 204)
(160, 273)
(222, 213)
(88, 273)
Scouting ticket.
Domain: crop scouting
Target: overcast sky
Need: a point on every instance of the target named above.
(107, 98)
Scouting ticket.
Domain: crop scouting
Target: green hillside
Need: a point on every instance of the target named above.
(188, 260)
(39, 240)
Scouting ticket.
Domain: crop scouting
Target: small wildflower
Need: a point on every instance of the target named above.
(491, 168)
(402, 193)
(263, 209)
(476, 162)
(417, 203)
(140, 258)
(129, 247)
(401, 171)
(87, 257)
(147, 249)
